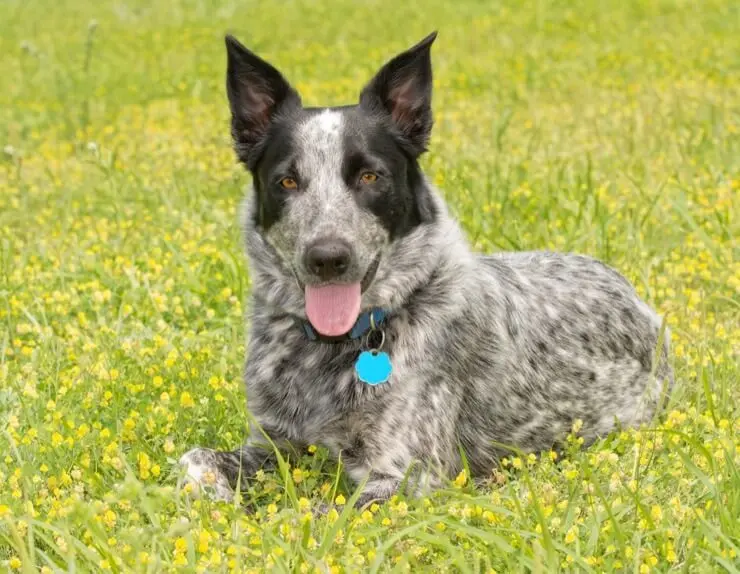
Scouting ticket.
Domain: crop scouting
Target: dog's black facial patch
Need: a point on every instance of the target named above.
(399, 197)
(277, 160)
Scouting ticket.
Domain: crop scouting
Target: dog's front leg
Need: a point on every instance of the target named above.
(220, 472)
(378, 488)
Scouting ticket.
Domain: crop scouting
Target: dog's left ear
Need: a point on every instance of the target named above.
(403, 89)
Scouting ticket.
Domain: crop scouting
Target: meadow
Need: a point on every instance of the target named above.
(608, 128)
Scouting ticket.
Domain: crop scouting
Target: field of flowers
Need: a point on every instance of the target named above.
(608, 128)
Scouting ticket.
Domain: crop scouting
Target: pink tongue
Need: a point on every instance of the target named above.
(333, 309)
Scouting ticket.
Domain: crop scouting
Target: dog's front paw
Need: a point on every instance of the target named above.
(203, 475)
(367, 499)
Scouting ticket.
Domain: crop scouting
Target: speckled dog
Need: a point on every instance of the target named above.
(353, 253)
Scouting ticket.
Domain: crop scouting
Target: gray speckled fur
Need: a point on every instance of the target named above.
(507, 349)
(487, 350)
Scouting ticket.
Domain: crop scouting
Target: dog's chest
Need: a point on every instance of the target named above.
(309, 389)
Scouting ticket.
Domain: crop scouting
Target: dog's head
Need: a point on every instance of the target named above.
(334, 188)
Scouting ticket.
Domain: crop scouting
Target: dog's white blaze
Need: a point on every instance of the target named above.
(321, 157)
(329, 121)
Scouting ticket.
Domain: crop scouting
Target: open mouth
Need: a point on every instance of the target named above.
(333, 308)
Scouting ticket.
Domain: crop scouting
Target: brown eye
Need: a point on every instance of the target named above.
(289, 183)
(368, 177)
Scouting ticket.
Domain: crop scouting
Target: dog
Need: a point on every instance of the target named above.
(376, 331)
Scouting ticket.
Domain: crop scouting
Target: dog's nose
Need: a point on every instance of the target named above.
(328, 259)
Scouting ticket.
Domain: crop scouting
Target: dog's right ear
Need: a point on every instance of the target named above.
(257, 92)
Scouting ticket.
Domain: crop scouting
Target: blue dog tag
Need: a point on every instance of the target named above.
(373, 367)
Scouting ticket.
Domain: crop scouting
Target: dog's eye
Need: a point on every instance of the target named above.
(368, 177)
(289, 183)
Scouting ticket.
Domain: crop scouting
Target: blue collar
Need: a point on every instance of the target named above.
(361, 327)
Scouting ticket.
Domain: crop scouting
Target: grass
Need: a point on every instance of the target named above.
(609, 128)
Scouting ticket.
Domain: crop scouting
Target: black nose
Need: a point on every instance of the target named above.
(328, 259)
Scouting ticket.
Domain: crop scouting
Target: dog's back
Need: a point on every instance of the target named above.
(565, 337)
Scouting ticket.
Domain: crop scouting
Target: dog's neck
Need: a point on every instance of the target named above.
(367, 321)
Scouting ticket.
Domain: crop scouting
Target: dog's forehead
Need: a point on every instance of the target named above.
(324, 123)
(319, 139)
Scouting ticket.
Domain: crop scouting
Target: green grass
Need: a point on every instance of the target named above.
(608, 128)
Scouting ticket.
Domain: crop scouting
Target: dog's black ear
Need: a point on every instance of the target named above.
(403, 89)
(257, 91)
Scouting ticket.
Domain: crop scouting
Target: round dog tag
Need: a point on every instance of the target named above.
(373, 367)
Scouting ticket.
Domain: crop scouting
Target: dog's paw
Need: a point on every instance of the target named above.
(367, 499)
(202, 475)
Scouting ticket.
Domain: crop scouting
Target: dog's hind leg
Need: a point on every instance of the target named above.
(219, 472)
